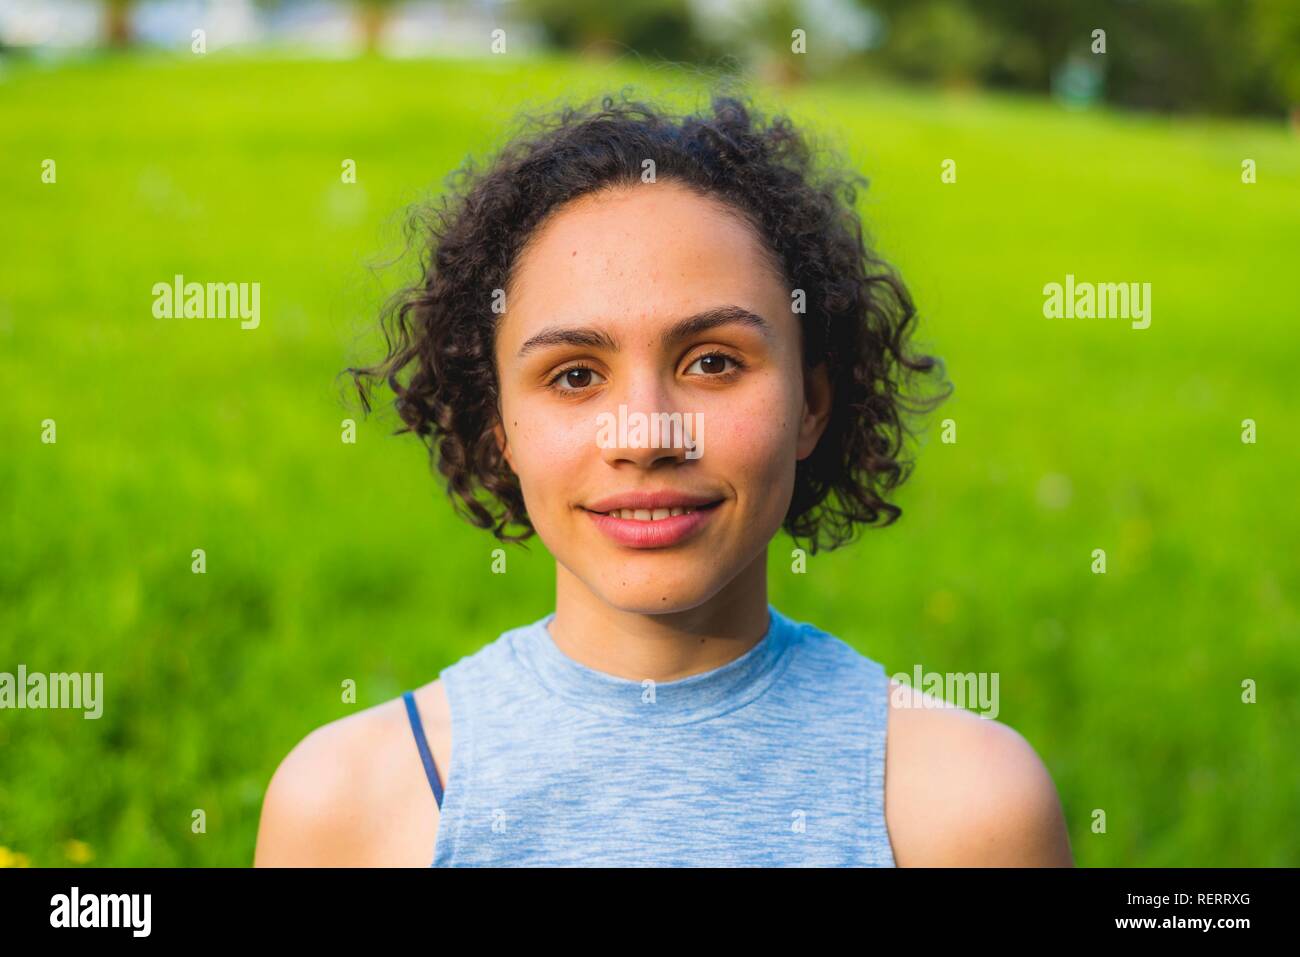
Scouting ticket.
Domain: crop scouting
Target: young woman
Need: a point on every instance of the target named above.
(618, 264)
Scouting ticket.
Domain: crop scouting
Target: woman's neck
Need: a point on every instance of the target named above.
(663, 646)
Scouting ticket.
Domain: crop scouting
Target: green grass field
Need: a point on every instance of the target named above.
(328, 561)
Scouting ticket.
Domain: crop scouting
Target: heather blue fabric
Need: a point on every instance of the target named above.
(774, 759)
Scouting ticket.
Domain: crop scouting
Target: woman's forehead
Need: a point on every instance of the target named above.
(659, 248)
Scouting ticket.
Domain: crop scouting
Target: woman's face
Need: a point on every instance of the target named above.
(654, 299)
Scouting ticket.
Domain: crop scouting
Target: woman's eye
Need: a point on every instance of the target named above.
(715, 363)
(572, 380)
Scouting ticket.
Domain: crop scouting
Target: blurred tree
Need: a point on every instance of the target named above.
(653, 28)
(943, 40)
(828, 34)
(768, 28)
(374, 15)
(117, 23)
(1275, 37)
(1213, 55)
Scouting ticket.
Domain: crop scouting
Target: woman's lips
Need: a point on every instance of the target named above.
(635, 533)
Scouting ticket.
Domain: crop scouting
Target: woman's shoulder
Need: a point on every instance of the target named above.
(965, 790)
(353, 792)
(961, 789)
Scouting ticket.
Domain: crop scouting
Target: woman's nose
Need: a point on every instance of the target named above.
(645, 425)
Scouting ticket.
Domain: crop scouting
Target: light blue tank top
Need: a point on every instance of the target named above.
(776, 758)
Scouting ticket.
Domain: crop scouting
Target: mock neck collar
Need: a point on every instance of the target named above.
(693, 698)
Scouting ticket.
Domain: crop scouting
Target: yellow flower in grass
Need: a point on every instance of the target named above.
(78, 852)
(10, 858)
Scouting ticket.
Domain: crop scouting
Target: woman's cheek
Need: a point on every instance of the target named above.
(547, 449)
(754, 446)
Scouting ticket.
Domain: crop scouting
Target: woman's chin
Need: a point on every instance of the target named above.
(680, 590)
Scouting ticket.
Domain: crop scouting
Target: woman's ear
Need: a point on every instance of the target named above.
(816, 409)
(503, 445)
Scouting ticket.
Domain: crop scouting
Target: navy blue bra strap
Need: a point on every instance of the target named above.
(426, 755)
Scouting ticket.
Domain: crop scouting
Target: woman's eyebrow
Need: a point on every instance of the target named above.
(588, 337)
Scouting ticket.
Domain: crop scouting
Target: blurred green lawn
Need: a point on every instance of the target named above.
(328, 562)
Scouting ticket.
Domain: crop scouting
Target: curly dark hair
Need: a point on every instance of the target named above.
(440, 332)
